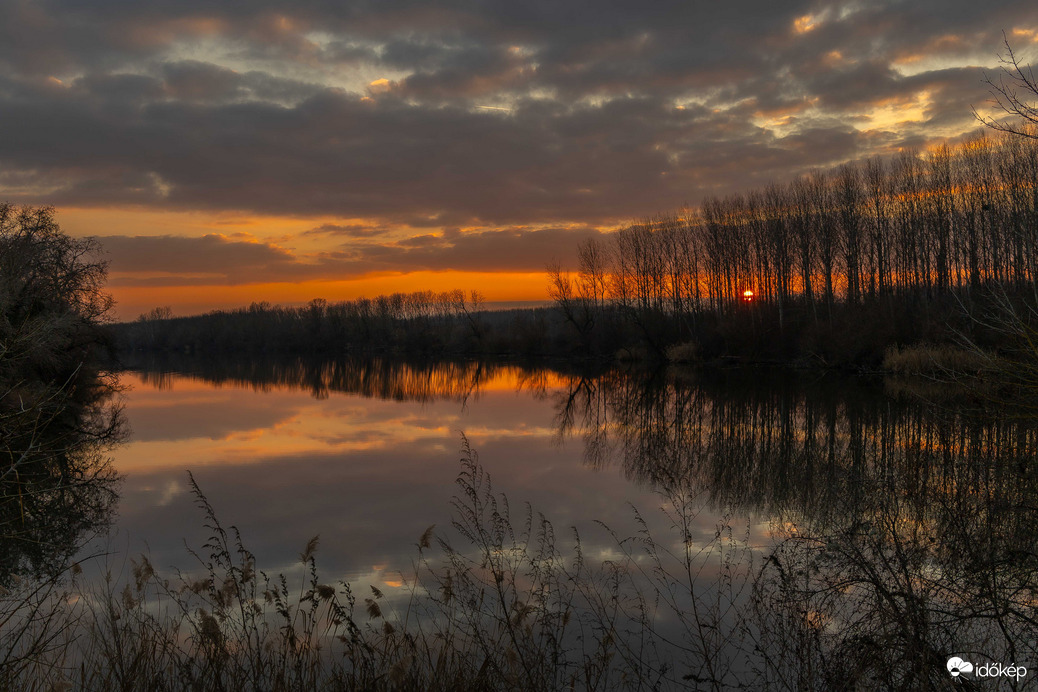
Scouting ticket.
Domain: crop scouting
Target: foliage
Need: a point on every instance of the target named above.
(56, 414)
(52, 297)
(937, 361)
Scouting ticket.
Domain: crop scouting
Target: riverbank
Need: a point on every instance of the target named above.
(942, 339)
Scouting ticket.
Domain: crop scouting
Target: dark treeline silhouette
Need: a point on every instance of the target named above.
(833, 268)
(837, 264)
(424, 323)
(904, 534)
(57, 417)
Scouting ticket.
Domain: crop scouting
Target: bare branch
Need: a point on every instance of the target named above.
(1015, 92)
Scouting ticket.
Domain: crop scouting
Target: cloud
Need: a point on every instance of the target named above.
(346, 230)
(516, 249)
(490, 114)
(335, 154)
(221, 260)
(171, 260)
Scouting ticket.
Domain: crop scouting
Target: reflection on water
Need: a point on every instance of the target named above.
(888, 534)
(380, 378)
(364, 454)
(57, 486)
(780, 445)
(904, 532)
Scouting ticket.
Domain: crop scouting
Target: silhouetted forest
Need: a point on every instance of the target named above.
(833, 268)
(836, 265)
(404, 324)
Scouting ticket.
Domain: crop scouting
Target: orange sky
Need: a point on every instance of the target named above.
(497, 287)
(231, 153)
(280, 232)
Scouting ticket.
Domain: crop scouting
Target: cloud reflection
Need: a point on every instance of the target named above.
(368, 474)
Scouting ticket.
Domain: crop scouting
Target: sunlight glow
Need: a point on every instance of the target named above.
(196, 299)
(893, 114)
(802, 25)
(1026, 34)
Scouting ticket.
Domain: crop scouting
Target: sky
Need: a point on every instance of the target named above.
(225, 153)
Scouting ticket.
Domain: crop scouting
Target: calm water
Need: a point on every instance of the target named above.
(364, 456)
(873, 528)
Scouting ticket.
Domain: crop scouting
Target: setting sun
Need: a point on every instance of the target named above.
(734, 301)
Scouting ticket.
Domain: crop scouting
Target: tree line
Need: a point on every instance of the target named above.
(894, 240)
(835, 266)
(423, 323)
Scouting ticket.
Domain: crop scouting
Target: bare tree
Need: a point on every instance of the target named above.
(1015, 91)
(573, 303)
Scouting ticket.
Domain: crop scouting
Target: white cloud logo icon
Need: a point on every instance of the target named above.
(956, 666)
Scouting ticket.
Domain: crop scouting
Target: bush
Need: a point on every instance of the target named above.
(56, 416)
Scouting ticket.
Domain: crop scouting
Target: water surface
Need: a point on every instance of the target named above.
(364, 455)
(839, 529)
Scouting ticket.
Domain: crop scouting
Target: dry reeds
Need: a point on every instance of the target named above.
(935, 360)
(493, 605)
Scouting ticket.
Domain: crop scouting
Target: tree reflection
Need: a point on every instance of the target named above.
(382, 378)
(903, 533)
(56, 482)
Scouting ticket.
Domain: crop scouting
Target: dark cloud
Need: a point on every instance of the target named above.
(491, 113)
(500, 250)
(213, 259)
(346, 230)
(191, 80)
(336, 154)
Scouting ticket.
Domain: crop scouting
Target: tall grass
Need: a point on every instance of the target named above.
(501, 601)
(493, 603)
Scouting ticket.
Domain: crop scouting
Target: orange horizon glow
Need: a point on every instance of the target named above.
(131, 301)
(291, 234)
